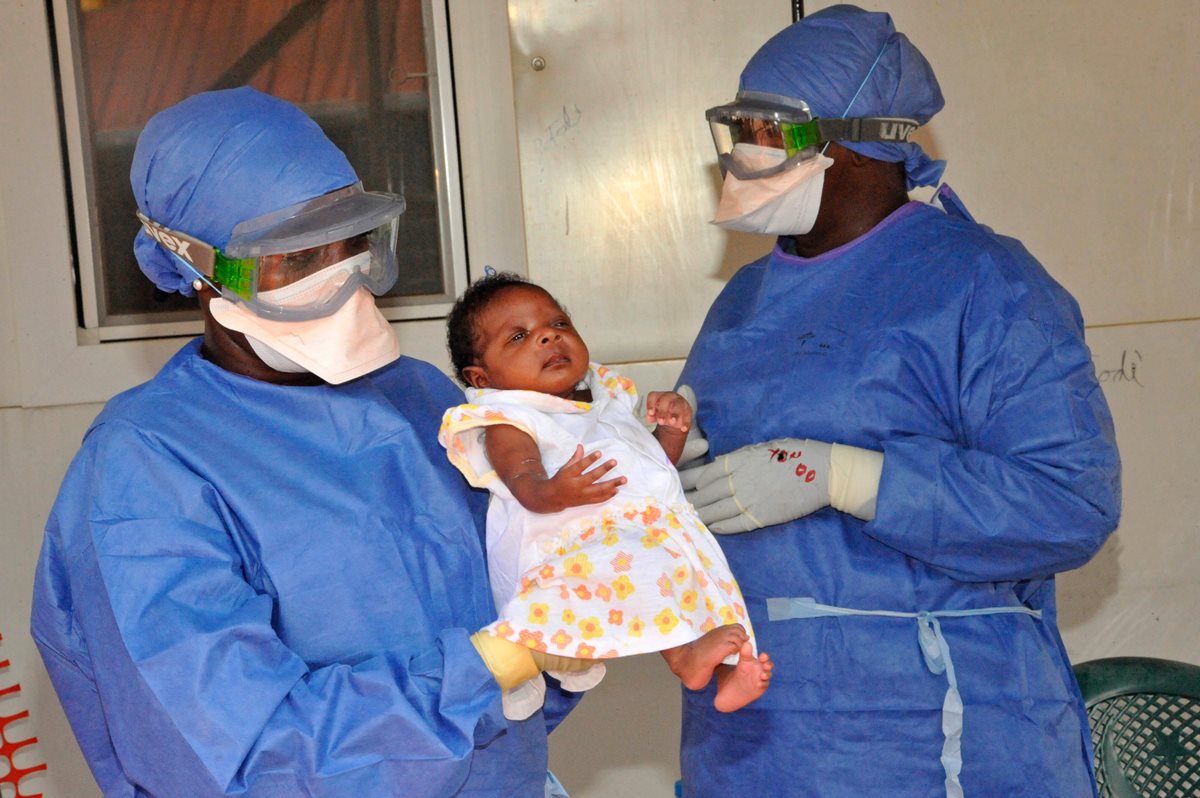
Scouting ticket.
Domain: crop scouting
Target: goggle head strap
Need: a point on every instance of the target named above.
(199, 254)
(891, 129)
(234, 274)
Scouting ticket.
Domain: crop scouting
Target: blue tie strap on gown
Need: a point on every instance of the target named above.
(934, 649)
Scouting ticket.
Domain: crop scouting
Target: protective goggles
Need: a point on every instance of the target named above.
(774, 121)
(302, 262)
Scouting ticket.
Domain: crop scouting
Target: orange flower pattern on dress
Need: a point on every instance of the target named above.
(601, 601)
(531, 640)
(578, 567)
(654, 537)
(624, 587)
(666, 621)
(591, 628)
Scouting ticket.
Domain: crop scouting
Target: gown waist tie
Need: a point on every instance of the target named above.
(935, 650)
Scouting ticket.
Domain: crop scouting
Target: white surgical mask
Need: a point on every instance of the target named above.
(273, 359)
(786, 203)
(351, 342)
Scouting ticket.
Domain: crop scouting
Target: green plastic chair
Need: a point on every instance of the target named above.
(1145, 719)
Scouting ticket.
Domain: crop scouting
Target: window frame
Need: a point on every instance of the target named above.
(61, 360)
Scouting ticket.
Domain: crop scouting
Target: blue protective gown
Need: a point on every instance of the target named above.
(951, 350)
(247, 589)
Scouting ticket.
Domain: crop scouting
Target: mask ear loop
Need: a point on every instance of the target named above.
(861, 86)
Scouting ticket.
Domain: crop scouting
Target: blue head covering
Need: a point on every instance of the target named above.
(845, 62)
(220, 158)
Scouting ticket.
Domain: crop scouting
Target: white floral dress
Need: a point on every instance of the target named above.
(636, 574)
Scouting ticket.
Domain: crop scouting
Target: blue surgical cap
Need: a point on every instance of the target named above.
(220, 158)
(846, 62)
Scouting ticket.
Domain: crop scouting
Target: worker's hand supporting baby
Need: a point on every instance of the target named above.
(673, 415)
(573, 485)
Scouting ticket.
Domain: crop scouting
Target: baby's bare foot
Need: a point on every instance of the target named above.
(695, 662)
(738, 685)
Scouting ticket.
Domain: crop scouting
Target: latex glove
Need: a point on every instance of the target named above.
(782, 480)
(512, 664)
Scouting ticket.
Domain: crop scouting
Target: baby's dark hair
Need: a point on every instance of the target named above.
(461, 337)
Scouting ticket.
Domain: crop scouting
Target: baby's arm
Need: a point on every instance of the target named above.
(673, 415)
(518, 463)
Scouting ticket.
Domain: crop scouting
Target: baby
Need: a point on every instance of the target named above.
(589, 560)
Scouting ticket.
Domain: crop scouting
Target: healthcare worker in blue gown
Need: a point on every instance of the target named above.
(907, 443)
(261, 576)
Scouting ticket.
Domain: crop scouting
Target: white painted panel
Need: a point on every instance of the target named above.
(1071, 125)
(1138, 597)
(622, 741)
(10, 382)
(35, 449)
(617, 163)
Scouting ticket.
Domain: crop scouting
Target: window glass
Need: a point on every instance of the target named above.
(360, 68)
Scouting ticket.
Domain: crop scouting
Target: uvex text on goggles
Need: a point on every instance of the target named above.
(303, 261)
(771, 120)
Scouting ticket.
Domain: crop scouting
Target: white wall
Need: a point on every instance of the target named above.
(1068, 125)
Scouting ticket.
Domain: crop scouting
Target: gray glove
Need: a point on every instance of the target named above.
(760, 485)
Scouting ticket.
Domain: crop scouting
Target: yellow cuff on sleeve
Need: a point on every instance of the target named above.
(510, 664)
(854, 476)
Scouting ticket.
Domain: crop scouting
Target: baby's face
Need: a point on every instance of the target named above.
(527, 343)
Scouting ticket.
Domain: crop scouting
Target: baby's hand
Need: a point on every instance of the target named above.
(668, 409)
(573, 485)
